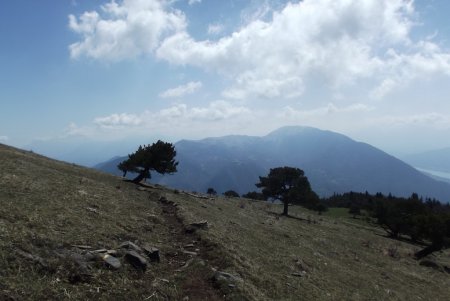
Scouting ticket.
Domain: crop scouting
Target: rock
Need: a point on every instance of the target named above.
(189, 246)
(227, 277)
(190, 253)
(301, 274)
(130, 246)
(152, 253)
(100, 251)
(136, 260)
(187, 264)
(201, 224)
(111, 261)
(93, 210)
(82, 247)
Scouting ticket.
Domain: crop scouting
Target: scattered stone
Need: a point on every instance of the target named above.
(231, 285)
(189, 246)
(227, 277)
(152, 253)
(111, 261)
(136, 260)
(184, 266)
(129, 245)
(82, 247)
(300, 274)
(93, 210)
(100, 251)
(201, 224)
(203, 206)
(112, 252)
(164, 280)
(189, 253)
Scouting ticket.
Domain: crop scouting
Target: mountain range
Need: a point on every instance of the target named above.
(332, 162)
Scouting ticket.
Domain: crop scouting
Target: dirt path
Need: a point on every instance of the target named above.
(191, 259)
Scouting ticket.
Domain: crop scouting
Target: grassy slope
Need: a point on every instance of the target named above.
(46, 207)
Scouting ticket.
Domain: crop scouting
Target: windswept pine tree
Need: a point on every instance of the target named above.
(159, 157)
(288, 185)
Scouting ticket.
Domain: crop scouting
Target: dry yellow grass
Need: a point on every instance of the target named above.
(49, 206)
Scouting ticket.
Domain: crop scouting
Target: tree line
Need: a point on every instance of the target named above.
(420, 220)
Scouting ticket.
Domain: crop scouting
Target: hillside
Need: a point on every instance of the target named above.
(332, 162)
(60, 224)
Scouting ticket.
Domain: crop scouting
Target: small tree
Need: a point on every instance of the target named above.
(231, 194)
(286, 184)
(157, 157)
(254, 195)
(211, 191)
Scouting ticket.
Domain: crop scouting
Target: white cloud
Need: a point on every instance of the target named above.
(180, 120)
(182, 90)
(436, 120)
(334, 42)
(124, 29)
(4, 138)
(192, 2)
(215, 111)
(328, 110)
(214, 29)
(118, 121)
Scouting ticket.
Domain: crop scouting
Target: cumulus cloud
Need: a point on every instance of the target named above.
(124, 29)
(214, 29)
(192, 2)
(432, 119)
(328, 110)
(4, 138)
(276, 53)
(182, 90)
(337, 42)
(117, 121)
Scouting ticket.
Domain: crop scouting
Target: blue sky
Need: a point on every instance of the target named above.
(76, 71)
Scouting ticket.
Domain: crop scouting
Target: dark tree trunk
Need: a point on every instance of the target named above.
(124, 174)
(428, 250)
(285, 208)
(140, 177)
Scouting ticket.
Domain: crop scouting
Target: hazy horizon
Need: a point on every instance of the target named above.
(113, 71)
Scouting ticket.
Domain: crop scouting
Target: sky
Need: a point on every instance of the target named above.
(74, 71)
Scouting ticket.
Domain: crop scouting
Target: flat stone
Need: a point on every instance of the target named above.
(201, 224)
(100, 251)
(82, 247)
(152, 253)
(301, 274)
(189, 246)
(227, 277)
(190, 253)
(136, 260)
(130, 246)
(111, 261)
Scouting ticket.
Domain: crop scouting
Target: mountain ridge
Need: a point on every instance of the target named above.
(333, 162)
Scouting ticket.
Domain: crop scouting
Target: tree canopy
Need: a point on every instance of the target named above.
(231, 194)
(159, 157)
(288, 185)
